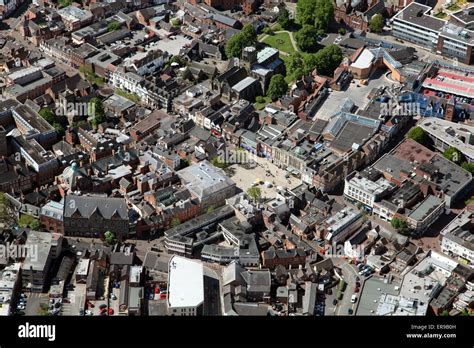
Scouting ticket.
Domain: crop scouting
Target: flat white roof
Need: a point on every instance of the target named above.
(364, 60)
(185, 282)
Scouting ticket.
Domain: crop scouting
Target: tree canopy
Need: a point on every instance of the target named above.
(255, 193)
(277, 87)
(246, 37)
(284, 18)
(376, 23)
(114, 25)
(454, 155)
(109, 237)
(175, 222)
(326, 60)
(48, 115)
(468, 166)
(400, 225)
(97, 111)
(418, 134)
(307, 38)
(315, 12)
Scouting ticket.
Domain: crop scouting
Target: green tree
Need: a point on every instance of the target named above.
(324, 14)
(246, 37)
(268, 31)
(307, 38)
(400, 225)
(6, 211)
(176, 22)
(48, 115)
(418, 134)
(310, 63)
(113, 26)
(28, 221)
(176, 59)
(259, 99)
(295, 61)
(217, 162)
(306, 11)
(342, 31)
(277, 87)
(444, 313)
(175, 222)
(255, 193)
(97, 111)
(454, 155)
(64, 3)
(468, 166)
(376, 23)
(327, 59)
(284, 19)
(109, 237)
(35, 225)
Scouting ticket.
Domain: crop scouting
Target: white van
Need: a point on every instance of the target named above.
(353, 298)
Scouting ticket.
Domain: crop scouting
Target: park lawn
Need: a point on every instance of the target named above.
(280, 41)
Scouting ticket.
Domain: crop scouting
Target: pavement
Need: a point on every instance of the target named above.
(266, 171)
(34, 301)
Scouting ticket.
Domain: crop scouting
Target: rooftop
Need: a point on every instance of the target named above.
(185, 283)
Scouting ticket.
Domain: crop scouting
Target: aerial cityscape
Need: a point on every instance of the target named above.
(236, 158)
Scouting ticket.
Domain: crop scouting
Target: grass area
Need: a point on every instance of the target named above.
(130, 96)
(280, 41)
(260, 106)
(441, 15)
(28, 221)
(91, 76)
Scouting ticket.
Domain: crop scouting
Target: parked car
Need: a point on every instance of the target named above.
(102, 306)
(334, 302)
(353, 298)
(111, 311)
(350, 311)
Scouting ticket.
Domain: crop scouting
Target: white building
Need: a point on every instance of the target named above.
(185, 287)
(415, 24)
(447, 134)
(366, 187)
(9, 285)
(458, 239)
(340, 226)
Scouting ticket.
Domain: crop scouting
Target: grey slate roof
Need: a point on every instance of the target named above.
(86, 206)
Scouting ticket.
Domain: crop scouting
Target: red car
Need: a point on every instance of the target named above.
(111, 311)
(162, 296)
(356, 289)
